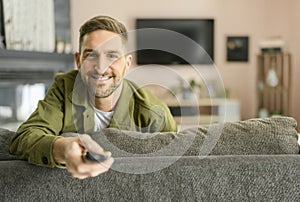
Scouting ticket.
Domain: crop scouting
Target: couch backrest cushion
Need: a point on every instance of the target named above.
(5, 136)
(276, 135)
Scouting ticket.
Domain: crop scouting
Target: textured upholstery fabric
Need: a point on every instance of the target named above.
(269, 171)
(275, 135)
(5, 136)
(214, 178)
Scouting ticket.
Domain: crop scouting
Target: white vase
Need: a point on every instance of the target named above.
(272, 79)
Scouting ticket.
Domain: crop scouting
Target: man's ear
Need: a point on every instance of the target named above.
(128, 61)
(77, 60)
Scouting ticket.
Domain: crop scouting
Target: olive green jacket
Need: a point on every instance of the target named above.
(65, 109)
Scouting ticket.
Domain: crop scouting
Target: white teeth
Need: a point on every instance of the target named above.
(103, 78)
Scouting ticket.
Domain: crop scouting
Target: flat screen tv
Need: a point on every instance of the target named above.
(161, 46)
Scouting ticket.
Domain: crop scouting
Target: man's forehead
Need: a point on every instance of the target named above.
(113, 44)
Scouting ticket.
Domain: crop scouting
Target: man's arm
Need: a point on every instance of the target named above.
(35, 137)
(38, 139)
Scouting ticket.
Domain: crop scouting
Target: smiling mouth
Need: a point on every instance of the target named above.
(101, 78)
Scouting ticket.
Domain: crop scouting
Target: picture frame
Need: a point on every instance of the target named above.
(237, 48)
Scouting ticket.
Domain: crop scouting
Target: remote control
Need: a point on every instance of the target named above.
(95, 157)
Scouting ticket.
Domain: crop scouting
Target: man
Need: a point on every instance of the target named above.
(87, 100)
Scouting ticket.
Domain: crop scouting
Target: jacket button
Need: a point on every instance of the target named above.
(45, 160)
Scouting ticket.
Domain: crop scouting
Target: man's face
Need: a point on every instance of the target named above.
(102, 63)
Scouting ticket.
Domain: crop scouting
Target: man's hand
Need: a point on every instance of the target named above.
(71, 151)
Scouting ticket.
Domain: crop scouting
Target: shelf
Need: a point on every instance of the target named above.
(200, 102)
(22, 67)
(195, 120)
(273, 84)
(27, 67)
(18, 54)
(32, 67)
(204, 111)
(29, 60)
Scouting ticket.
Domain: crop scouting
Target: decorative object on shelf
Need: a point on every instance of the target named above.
(63, 47)
(237, 48)
(60, 46)
(272, 79)
(263, 113)
(187, 89)
(29, 25)
(27, 99)
(273, 83)
(273, 44)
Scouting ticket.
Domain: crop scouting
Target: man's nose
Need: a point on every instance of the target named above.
(102, 65)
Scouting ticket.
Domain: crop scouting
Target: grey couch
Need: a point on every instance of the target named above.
(253, 160)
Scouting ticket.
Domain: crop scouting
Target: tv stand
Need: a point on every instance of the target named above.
(206, 111)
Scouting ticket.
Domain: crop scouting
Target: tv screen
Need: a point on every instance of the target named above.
(175, 41)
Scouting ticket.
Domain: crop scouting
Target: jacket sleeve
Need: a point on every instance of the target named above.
(34, 138)
(170, 125)
(164, 119)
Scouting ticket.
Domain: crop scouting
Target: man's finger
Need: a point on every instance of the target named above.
(92, 169)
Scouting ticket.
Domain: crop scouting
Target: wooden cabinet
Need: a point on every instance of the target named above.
(273, 84)
(204, 112)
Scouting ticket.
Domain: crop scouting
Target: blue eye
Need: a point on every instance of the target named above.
(112, 56)
(91, 56)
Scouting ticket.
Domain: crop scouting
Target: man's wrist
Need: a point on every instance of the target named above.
(58, 151)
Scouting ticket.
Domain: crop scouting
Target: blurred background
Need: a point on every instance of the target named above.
(255, 50)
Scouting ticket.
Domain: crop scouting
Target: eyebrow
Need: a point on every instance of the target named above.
(113, 51)
(106, 51)
(88, 50)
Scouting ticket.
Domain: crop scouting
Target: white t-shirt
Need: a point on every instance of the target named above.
(102, 119)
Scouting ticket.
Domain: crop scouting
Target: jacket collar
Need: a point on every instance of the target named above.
(79, 94)
(121, 117)
(123, 109)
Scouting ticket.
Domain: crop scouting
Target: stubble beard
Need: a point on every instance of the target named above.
(108, 92)
(93, 88)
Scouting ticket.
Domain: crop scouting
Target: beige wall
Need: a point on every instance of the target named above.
(256, 18)
(295, 49)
